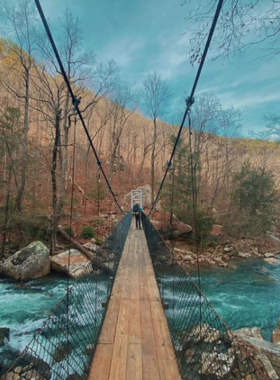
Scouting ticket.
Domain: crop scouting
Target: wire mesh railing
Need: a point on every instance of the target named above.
(204, 346)
(63, 347)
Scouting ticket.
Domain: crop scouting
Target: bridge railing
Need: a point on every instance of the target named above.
(204, 346)
(63, 347)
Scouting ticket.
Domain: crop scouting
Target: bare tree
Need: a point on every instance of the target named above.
(49, 91)
(20, 26)
(272, 131)
(242, 23)
(146, 149)
(121, 106)
(83, 71)
(225, 157)
(155, 95)
(10, 138)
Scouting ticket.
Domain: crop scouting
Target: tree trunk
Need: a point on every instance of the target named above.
(6, 210)
(54, 182)
(153, 162)
(64, 151)
(97, 263)
(21, 187)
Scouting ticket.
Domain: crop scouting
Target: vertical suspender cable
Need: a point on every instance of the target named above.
(69, 245)
(194, 201)
(171, 198)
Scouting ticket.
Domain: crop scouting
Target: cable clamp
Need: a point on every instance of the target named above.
(169, 164)
(189, 101)
(76, 102)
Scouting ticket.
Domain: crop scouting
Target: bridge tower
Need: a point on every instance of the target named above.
(136, 196)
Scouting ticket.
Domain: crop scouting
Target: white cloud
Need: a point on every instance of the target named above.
(172, 58)
(249, 100)
(122, 51)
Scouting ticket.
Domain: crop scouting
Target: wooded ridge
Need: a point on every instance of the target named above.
(47, 167)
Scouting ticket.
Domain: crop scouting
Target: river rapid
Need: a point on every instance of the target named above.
(247, 296)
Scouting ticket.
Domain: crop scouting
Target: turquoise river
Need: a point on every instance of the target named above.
(245, 296)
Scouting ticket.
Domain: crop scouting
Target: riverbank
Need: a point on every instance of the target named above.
(221, 253)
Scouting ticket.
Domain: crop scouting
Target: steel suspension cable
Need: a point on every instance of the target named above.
(194, 201)
(75, 101)
(69, 244)
(190, 99)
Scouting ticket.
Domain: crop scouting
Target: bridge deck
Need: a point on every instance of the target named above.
(134, 343)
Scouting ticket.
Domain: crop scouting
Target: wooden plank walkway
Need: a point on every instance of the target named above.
(134, 343)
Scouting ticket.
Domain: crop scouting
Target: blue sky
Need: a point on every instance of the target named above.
(147, 35)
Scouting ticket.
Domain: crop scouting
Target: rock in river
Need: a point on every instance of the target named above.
(28, 263)
(4, 335)
(276, 334)
(79, 264)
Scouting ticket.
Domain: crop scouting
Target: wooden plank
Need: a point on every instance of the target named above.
(143, 285)
(167, 361)
(134, 362)
(109, 327)
(119, 358)
(126, 280)
(134, 286)
(100, 368)
(150, 364)
(151, 284)
(119, 284)
(134, 329)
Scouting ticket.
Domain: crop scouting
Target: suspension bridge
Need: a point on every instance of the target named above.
(139, 322)
(134, 340)
(130, 326)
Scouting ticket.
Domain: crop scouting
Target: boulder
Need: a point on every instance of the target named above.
(79, 264)
(177, 230)
(216, 365)
(4, 335)
(28, 367)
(272, 260)
(245, 255)
(210, 261)
(196, 334)
(253, 332)
(222, 264)
(178, 250)
(267, 353)
(187, 257)
(269, 254)
(265, 360)
(227, 249)
(91, 247)
(21, 373)
(28, 263)
(276, 334)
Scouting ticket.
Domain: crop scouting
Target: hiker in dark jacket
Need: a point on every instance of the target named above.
(136, 210)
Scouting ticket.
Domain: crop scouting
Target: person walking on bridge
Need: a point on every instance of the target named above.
(136, 211)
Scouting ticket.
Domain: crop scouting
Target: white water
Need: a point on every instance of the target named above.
(242, 297)
(24, 308)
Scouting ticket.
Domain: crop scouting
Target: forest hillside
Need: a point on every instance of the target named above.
(48, 171)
